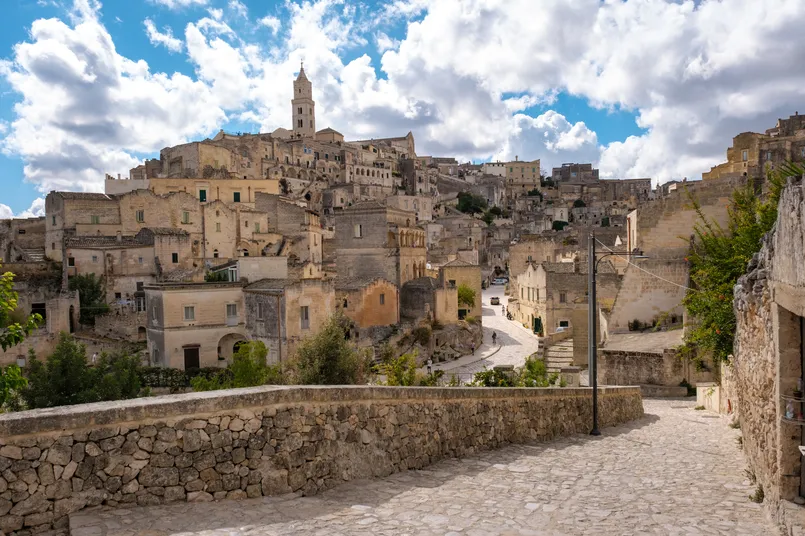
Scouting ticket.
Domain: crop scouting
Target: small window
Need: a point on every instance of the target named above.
(95, 258)
(236, 197)
(260, 311)
(744, 155)
(564, 323)
(140, 216)
(217, 227)
(300, 110)
(154, 312)
(231, 310)
(156, 356)
(304, 315)
(202, 195)
(768, 155)
(70, 261)
(175, 258)
(185, 217)
(562, 297)
(189, 313)
(299, 123)
(382, 299)
(140, 285)
(95, 219)
(53, 220)
(257, 227)
(215, 254)
(358, 231)
(139, 260)
(53, 246)
(117, 296)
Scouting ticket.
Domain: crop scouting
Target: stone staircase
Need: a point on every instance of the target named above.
(559, 355)
(35, 254)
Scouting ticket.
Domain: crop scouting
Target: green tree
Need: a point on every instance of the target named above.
(91, 296)
(466, 296)
(605, 221)
(13, 330)
(578, 203)
(400, 370)
(535, 374)
(488, 218)
(558, 225)
(11, 381)
(248, 369)
(470, 203)
(719, 256)
(65, 378)
(328, 358)
(496, 211)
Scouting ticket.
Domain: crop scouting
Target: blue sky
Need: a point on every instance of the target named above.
(640, 88)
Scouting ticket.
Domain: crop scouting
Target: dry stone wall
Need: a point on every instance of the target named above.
(263, 441)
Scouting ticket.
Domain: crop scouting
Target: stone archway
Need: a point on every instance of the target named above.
(229, 344)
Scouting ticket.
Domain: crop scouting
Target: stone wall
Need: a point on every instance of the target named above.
(767, 362)
(647, 368)
(264, 441)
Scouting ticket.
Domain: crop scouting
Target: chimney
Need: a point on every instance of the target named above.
(119, 237)
(516, 158)
(118, 176)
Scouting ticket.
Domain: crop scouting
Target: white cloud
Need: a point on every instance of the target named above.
(179, 4)
(165, 38)
(271, 22)
(36, 210)
(461, 79)
(239, 8)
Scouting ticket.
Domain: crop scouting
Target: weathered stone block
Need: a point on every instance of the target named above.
(159, 476)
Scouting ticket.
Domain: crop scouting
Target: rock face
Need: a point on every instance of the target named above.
(769, 302)
(263, 441)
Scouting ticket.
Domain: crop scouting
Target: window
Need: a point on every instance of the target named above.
(175, 258)
(202, 195)
(300, 110)
(768, 155)
(217, 227)
(189, 312)
(70, 261)
(215, 254)
(185, 217)
(140, 286)
(118, 295)
(95, 219)
(358, 231)
(94, 258)
(564, 323)
(260, 311)
(139, 260)
(311, 123)
(257, 227)
(236, 197)
(304, 315)
(53, 246)
(382, 299)
(521, 294)
(54, 220)
(154, 313)
(231, 310)
(299, 123)
(247, 224)
(156, 356)
(562, 297)
(140, 303)
(744, 155)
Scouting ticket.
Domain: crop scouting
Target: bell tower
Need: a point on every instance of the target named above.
(302, 105)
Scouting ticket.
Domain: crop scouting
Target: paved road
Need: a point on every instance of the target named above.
(675, 472)
(514, 342)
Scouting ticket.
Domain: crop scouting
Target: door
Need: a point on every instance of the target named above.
(202, 195)
(191, 358)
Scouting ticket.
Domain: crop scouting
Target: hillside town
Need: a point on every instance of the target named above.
(467, 268)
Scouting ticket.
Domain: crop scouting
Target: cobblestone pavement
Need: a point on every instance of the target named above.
(514, 342)
(675, 472)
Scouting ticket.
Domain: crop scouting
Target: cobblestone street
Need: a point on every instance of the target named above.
(674, 472)
(514, 342)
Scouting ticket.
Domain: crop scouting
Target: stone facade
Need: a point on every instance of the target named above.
(264, 441)
(457, 273)
(767, 365)
(374, 304)
(647, 368)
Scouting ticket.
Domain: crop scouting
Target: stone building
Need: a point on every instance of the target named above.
(457, 273)
(192, 325)
(369, 304)
(374, 241)
(752, 153)
(282, 312)
(421, 205)
(428, 298)
(22, 240)
(521, 177)
(584, 173)
(760, 382)
(549, 292)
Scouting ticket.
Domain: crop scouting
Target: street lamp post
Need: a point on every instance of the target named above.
(592, 311)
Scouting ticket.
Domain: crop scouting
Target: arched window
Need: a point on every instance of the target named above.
(215, 254)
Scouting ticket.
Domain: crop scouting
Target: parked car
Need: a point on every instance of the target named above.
(560, 329)
(494, 300)
(500, 281)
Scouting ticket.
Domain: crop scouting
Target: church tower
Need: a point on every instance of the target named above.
(303, 107)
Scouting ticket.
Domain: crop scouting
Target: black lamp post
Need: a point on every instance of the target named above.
(592, 311)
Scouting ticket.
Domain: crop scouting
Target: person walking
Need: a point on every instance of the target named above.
(494, 338)
(473, 348)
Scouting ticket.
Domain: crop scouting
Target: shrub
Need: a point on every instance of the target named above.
(472, 319)
(400, 370)
(248, 369)
(422, 335)
(466, 296)
(558, 225)
(91, 297)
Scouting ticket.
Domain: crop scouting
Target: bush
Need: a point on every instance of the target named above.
(91, 296)
(400, 370)
(435, 325)
(558, 225)
(493, 378)
(248, 369)
(470, 203)
(65, 378)
(327, 358)
(422, 335)
(472, 319)
(466, 296)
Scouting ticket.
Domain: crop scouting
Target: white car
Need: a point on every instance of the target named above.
(500, 281)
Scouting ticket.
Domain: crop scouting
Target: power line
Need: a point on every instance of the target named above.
(644, 270)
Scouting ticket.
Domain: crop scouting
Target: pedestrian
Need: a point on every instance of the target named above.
(94, 358)
(494, 337)
(430, 364)
(473, 348)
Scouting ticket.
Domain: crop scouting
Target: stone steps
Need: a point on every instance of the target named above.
(559, 356)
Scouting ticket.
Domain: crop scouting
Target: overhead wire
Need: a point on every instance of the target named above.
(644, 270)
